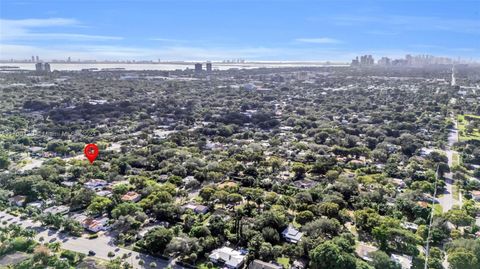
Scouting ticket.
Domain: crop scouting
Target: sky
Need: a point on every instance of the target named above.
(255, 30)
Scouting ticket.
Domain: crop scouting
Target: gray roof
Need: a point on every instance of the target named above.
(292, 234)
(258, 264)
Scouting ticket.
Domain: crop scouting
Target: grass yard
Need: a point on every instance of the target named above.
(437, 209)
(455, 192)
(285, 262)
(455, 159)
(462, 128)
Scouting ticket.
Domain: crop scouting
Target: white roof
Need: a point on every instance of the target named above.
(403, 260)
(230, 256)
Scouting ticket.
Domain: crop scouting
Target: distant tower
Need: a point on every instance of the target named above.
(37, 58)
(209, 67)
(39, 67)
(198, 67)
(46, 67)
(33, 59)
(453, 82)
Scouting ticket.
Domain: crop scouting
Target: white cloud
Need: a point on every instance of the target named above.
(187, 53)
(26, 29)
(39, 22)
(318, 40)
(409, 23)
(167, 40)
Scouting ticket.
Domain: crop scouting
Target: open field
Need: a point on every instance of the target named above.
(463, 124)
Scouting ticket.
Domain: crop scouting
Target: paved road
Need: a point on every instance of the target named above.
(100, 245)
(446, 200)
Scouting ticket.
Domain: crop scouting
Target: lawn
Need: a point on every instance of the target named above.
(455, 159)
(437, 209)
(296, 224)
(455, 192)
(462, 125)
(285, 262)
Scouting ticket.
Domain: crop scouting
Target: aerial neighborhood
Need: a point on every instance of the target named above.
(367, 167)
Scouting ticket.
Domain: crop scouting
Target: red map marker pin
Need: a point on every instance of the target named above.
(91, 152)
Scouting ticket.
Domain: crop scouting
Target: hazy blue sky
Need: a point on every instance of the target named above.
(253, 30)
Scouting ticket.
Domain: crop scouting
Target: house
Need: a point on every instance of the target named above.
(292, 235)
(95, 183)
(49, 154)
(104, 193)
(298, 264)
(404, 261)
(35, 151)
(17, 200)
(422, 204)
(398, 182)
(95, 225)
(363, 251)
(57, 210)
(163, 178)
(476, 195)
(35, 204)
(410, 226)
(198, 209)
(201, 209)
(68, 183)
(305, 184)
(356, 163)
(188, 179)
(258, 264)
(131, 196)
(228, 257)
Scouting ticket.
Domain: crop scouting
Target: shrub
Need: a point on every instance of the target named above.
(93, 236)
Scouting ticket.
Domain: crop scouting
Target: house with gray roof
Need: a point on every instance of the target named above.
(292, 235)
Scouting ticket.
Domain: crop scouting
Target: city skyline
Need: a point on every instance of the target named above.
(219, 30)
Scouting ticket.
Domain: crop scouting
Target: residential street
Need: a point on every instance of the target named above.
(101, 245)
(446, 199)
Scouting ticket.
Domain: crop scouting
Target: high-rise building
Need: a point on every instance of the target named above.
(38, 67)
(37, 59)
(209, 67)
(364, 60)
(453, 82)
(384, 61)
(42, 67)
(355, 61)
(409, 59)
(33, 59)
(46, 67)
(198, 67)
